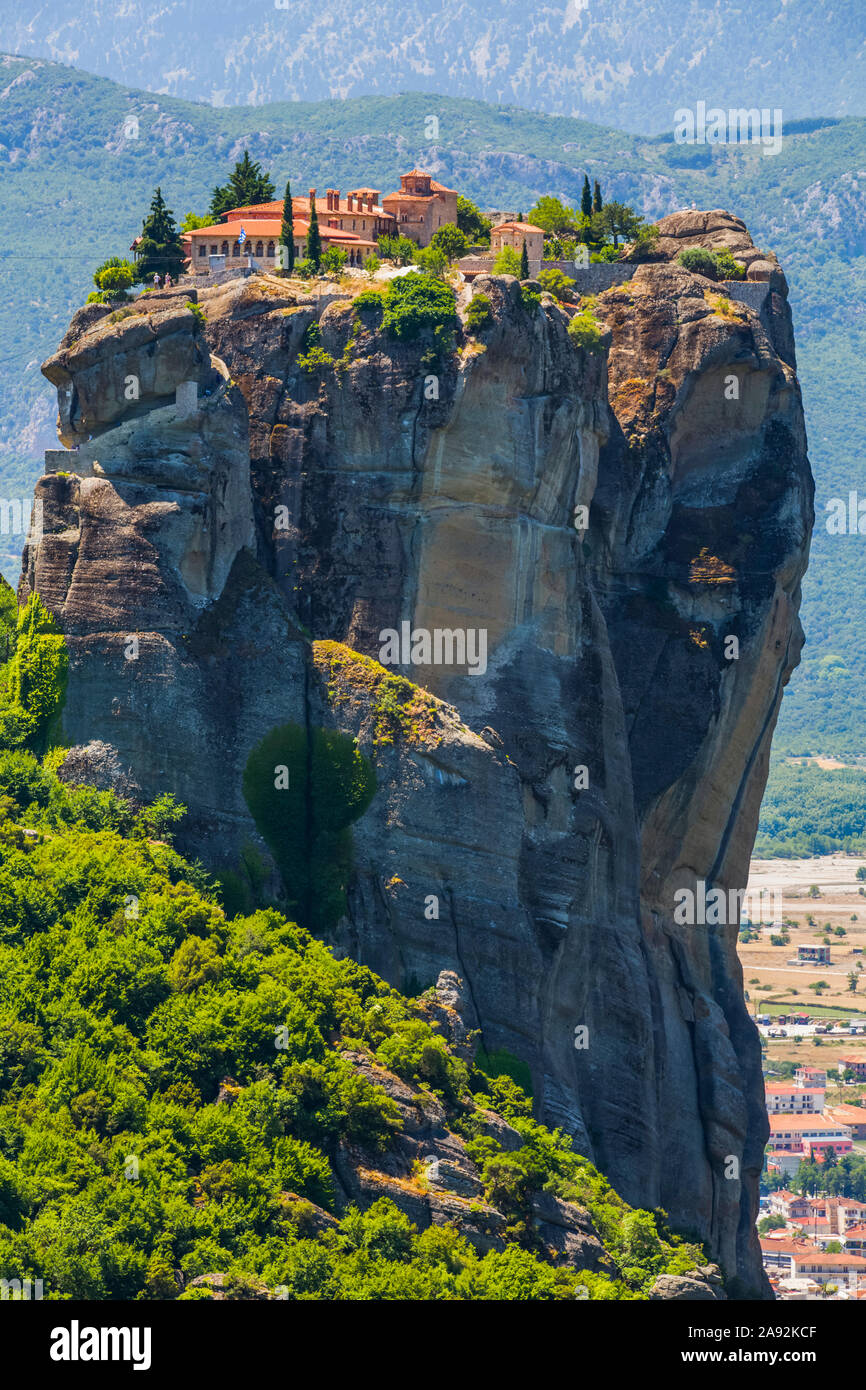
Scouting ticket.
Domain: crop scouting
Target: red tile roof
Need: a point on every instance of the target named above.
(517, 227)
(781, 1124)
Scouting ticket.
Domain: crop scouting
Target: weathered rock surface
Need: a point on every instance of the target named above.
(336, 504)
(699, 1286)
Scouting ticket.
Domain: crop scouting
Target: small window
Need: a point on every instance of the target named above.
(259, 251)
(202, 248)
(271, 249)
(236, 250)
(213, 250)
(225, 248)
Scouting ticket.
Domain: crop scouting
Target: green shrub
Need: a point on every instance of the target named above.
(333, 260)
(303, 793)
(644, 246)
(450, 241)
(478, 312)
(507, 262)
(504, 1063)
(727, 268)
(606, 256)
(555, 282)
(114, 278)
(699, 261)
(399, 249)
(415, 304)
(37, 677)
(315, 358)
(585, 332)
(432, 261)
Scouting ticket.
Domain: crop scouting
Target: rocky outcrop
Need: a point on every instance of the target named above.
(698, 1286)
(628, 529)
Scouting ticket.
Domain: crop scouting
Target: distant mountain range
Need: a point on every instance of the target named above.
(629, 67)
(76, 183)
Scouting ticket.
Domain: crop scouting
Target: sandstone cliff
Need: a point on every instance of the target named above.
(257, 545)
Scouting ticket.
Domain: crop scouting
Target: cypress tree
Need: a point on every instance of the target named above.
(160, 251)
(597, 204)
(524, 262)
(586, 198)
(314, 241)
(287, 230)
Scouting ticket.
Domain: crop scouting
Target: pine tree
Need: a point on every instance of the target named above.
(524, 262)
(287, 230)
(586, 198)
(246, 185)
(314, 241)
(597, 204)
(160, 251)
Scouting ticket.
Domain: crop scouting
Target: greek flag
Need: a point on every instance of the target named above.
(243, 236)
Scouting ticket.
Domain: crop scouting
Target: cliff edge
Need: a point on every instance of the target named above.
(626, 523)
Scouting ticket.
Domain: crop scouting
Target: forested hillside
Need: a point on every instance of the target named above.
(194, 1101)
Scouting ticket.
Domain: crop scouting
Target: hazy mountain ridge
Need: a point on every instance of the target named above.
(564, 57)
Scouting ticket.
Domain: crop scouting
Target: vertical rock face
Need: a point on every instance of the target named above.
(537, 811)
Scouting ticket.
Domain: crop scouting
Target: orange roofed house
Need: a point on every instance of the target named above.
(514, 234)
(353, 223)
(421, 206)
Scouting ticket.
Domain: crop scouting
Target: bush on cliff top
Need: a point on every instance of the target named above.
(715, 265)
(585, 332)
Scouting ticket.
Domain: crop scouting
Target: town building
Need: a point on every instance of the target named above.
(853, 1117)
(826, 1268)
(811, 1076)
(420, 207)
(514, 234)
(817, 955)
(794, 1100)
(791, 1205)
(854, 1240)
(807, 1134)
(856, 1062)
(818, 1217)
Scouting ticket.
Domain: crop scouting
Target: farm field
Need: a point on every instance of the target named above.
(774, 986)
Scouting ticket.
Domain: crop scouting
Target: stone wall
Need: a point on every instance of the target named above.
(751, 292)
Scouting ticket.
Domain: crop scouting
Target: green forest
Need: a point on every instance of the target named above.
(809, 810)
(176, 1078)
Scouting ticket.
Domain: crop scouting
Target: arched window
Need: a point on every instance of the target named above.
(259, 251)
(271, 249)
(225, 249)
(236, 250)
